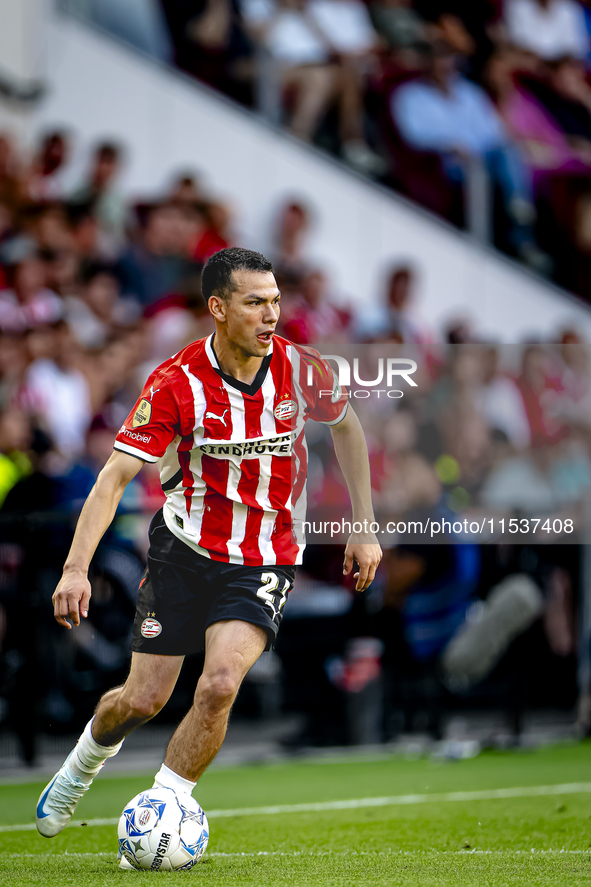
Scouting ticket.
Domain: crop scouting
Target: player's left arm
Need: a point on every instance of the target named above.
(351, 451)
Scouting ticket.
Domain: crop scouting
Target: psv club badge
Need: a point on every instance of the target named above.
(285, 409)
(151, 628)
(143, 414)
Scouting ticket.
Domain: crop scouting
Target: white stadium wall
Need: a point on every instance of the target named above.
(98, 88)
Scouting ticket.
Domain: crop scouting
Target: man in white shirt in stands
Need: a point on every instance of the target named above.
(322, 49)
(449, 114)
(551, 29)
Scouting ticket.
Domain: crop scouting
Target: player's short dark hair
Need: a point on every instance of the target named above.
(216, 278)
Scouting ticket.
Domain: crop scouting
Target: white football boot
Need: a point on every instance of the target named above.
(58, 800)
(124, 864)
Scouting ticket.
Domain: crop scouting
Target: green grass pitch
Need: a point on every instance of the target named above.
(526, 839)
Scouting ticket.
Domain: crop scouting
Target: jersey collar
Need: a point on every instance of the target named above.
(256, 383)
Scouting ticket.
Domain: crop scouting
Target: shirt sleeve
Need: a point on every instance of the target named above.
(326, 399)
(518, 22)
(153, 423)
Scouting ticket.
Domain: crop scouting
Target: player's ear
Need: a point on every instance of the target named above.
(217, 308)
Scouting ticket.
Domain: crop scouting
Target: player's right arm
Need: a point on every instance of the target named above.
(72, 595)
(144, 437)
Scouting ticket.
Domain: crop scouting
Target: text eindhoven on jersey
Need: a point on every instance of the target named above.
(270, 446)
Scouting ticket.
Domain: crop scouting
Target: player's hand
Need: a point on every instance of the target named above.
(71, 598)
(367, 552)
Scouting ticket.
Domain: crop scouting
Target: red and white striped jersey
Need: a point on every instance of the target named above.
(233, 457)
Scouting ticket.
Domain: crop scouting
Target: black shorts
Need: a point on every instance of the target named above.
(182, 593)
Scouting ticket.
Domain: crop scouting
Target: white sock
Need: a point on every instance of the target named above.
(167, 778)
(89, 756)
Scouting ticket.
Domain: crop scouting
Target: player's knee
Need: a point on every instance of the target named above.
(218, 689)
(141, 706)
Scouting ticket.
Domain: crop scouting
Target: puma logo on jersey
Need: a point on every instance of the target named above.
(210, 415)
(152, 392)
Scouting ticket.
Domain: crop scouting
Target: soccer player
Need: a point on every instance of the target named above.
(224, 418)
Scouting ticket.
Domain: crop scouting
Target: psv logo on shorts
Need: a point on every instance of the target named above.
(285, 409)
(151, 628)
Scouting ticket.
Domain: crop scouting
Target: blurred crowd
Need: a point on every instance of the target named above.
(424, 95)
(96, 292)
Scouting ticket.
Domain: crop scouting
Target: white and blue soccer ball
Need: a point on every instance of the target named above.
(160, 830)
